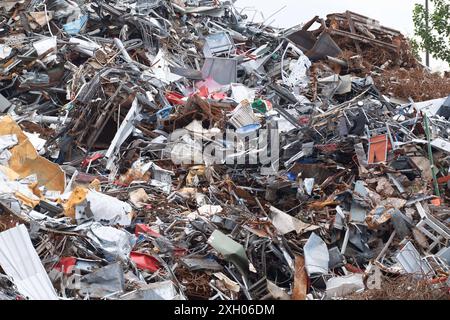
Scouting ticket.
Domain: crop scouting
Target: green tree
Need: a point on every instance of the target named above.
(435, 38)
(415, 48)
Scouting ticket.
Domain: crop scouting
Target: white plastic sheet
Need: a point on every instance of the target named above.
(298, 69)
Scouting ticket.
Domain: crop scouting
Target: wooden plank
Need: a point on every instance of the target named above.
(352, 30)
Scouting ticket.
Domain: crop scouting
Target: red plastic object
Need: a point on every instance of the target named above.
(378, 148)
(303, 120)
(436, 202)
(145, 261)
(353, 269)
(120, 184)
(438, 280)
(66, 264)
(442, 180)
(218, 96)
(86, 161)
(179, 252)
(143, 228)
(175, 98)
(203, 92)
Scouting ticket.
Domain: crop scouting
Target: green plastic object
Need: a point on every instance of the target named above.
(259, 105)
(230, 250)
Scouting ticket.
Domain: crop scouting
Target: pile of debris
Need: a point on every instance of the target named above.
(171, 149)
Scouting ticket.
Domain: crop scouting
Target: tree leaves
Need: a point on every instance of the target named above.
(437, 38)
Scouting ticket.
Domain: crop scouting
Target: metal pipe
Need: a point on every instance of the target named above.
(49, 119)
(125, 54)
(430, 155)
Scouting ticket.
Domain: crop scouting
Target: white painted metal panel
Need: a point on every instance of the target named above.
(20, 261)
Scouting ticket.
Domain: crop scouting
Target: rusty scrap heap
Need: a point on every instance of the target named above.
(172, 149)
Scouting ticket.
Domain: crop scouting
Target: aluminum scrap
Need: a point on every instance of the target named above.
(188, 152)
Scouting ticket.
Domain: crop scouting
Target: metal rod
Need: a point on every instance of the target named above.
(430, 155)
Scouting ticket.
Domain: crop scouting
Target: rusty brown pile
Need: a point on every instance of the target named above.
(416, 83)
(404, 288)
(377, 44)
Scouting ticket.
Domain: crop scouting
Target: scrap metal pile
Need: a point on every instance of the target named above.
(157, 149)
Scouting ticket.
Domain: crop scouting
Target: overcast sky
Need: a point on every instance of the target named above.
(396, 14)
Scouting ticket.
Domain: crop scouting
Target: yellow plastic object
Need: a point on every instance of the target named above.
(11, 174)
(26, 161)
(76, 197)
(95, 185)
(25, 200)
(194, 171)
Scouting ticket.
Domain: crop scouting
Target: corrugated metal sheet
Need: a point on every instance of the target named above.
(20, 261)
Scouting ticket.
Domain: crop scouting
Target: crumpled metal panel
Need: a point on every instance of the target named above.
(315, 49)
(103, 282)
(325, 46)
(412, 262)
(20, 261)
(221, 70)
